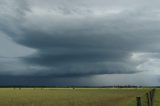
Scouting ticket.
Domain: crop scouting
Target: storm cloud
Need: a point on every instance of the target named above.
(79, 38)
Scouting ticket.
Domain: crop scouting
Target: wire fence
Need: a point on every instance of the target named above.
(149, 96)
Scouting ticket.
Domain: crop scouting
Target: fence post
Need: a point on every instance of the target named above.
(148, 99)
(152, 98)
(138, 101)
(151, 95)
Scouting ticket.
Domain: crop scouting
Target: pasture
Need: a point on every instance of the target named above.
(71, 97)
(157, 98)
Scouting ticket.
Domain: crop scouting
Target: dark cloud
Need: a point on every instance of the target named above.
(82, 38)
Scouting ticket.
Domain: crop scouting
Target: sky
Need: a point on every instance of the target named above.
(80, 42)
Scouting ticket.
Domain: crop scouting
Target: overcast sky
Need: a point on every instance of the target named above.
(79, 42)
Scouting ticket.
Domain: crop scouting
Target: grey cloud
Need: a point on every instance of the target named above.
(79, 39)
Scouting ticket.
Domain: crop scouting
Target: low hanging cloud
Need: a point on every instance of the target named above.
(82, 38)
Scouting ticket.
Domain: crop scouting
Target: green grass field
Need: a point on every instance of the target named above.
(157, 98)
(69, 97)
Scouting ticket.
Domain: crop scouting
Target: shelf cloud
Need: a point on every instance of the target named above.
(79, 38)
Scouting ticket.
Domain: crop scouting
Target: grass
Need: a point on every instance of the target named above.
(69, 97)
(157, 98)
(143, 101)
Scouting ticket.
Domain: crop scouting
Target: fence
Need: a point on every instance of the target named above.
(149, 96)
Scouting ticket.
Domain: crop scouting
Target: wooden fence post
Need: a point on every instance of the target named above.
(148, 99)
(149, 96)
(138, 101)
(152, 97)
